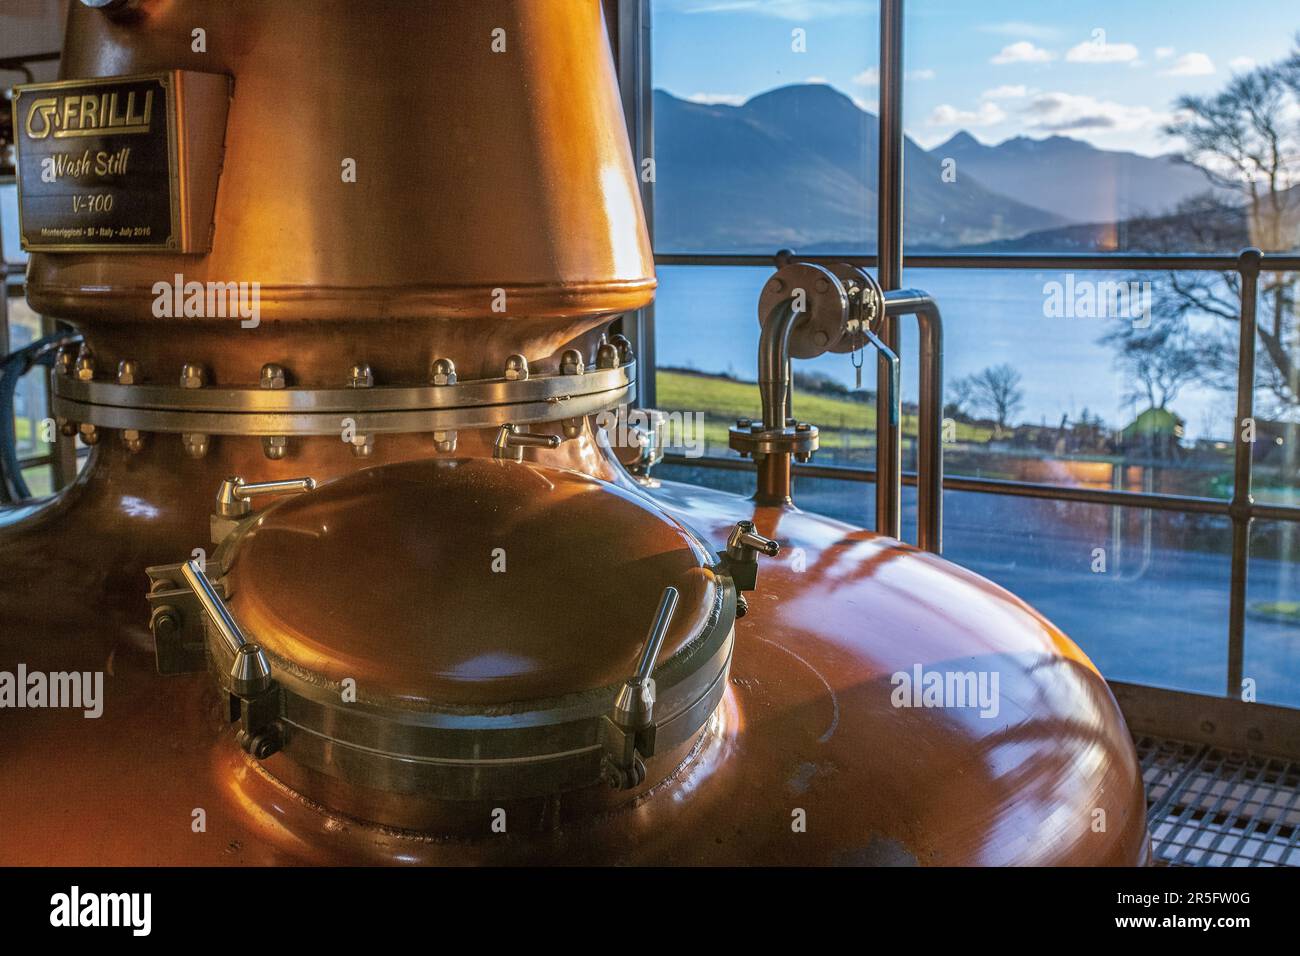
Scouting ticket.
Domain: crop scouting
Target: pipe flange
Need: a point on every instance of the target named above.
(825, 307)
(866, 305)
(800, 439)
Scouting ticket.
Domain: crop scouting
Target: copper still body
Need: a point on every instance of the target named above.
(367, 578)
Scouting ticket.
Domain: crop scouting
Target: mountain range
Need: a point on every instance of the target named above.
(796, 167)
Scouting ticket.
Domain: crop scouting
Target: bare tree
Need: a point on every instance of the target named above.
(1246, 138)
(961, 396)
(997, 390)
(1160, 359)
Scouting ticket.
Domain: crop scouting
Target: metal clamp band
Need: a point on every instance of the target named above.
(319, 411)
(475, 393)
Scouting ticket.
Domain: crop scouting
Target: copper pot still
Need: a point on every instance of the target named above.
(365, 577)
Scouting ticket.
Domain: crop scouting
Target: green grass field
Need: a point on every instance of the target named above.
(722, 400)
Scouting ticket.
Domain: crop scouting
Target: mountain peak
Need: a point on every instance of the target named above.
(960, 140)
(801, 96)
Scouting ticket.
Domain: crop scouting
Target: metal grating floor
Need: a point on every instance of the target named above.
(1212, 807)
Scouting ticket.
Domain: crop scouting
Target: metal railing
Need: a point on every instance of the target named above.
(1241, 509)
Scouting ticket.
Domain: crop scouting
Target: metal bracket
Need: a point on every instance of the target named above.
(740, 559)
(187, 606)
(176, 620)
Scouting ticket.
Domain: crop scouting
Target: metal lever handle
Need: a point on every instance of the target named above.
(654, 641)
(250, 672)
(511, 441)
(893, 396)
(213, 605)
(634, 707)
(744, 539)
(234, 496)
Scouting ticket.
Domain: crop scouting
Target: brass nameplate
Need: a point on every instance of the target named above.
(116, 164)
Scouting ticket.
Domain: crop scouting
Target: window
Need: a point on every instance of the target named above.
(1057, 132)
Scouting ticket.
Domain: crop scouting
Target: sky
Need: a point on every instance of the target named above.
(1105, 71)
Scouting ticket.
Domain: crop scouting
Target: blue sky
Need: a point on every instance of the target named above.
(1106, 71)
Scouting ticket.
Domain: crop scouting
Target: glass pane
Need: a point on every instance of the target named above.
(1144, 593)
(762, 134)
(1093, 127)
(40, 480)
(1275, 432)
(706, 355)
(1099, 379)
(30, 406)
(1272, 652)
(1088, 379)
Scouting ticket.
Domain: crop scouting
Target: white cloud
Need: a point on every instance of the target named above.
(1021, 52)
(868, 77)
(1064, 112)
(1019, 28)
(1191, 64)
(1164, 52)
(987, 114)
(1007, 92)
(816, 79)
(1242, 63)
(1089, 51)
(921, 75)
(717, 99)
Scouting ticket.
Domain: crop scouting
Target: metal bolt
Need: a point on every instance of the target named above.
(443, 372)
(133, 440)
(65, 359)
(165, 621)
(803, 427)
(85, 365)
(89, 434)
(445, 441)
(360, 376)
(744, 423)
(273, 376)
(606, 354)
(275, 447)
(128, 372)
(363, 446)
(624, 347)
(516, 368)
(66, 428)
(195, 445)
(572, 427)
(193, 376)
(571, 362)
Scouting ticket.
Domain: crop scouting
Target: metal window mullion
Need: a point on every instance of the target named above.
(889, 253)
(1241, 511)
(634, 67)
